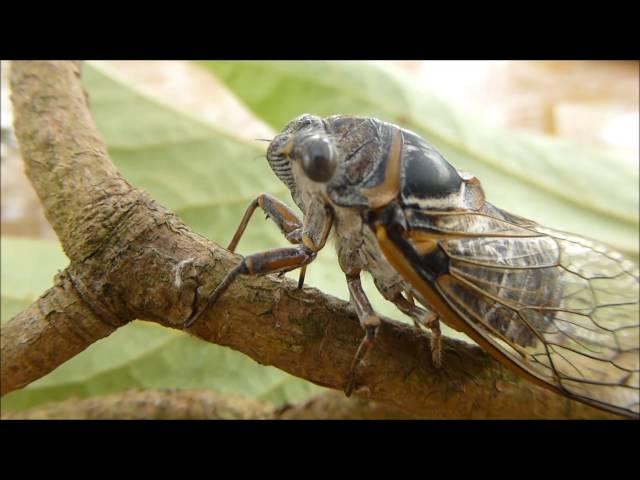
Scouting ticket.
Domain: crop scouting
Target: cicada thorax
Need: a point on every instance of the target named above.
(382, 163)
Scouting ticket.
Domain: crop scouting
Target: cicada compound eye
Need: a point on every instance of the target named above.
(318, 159)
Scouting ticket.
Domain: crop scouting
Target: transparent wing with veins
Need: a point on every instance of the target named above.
(564, 308)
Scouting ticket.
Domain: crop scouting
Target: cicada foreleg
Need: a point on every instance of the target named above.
(312, 237)
(271, 261)
(369, 321)
(286, 219)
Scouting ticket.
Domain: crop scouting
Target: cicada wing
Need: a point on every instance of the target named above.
(562, 308)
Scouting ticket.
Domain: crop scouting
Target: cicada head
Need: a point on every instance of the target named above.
(302, 155)
(328, 157)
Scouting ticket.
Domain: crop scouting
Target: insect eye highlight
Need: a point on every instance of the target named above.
(318, 160)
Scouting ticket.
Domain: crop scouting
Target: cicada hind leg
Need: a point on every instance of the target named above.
(422, 319)
(370, 322)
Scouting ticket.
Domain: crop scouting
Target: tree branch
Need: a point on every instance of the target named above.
(131, 258)
(203, 405)
(50, 331)
(335, 406)
(150, 405)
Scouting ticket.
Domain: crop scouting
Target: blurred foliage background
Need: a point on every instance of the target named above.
(553, 141)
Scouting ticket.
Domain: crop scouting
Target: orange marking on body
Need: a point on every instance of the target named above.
(422, 242)
(389, 189)
(424, 248)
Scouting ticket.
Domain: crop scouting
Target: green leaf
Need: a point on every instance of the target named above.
(554, 182)
(28, 267)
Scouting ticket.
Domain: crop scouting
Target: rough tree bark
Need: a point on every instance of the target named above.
(132, 258)
(151, 405)
(205, 405)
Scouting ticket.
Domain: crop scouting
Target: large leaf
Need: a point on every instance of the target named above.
(28, 267)
(555, 182)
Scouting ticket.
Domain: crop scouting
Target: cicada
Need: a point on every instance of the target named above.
(557, 308)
